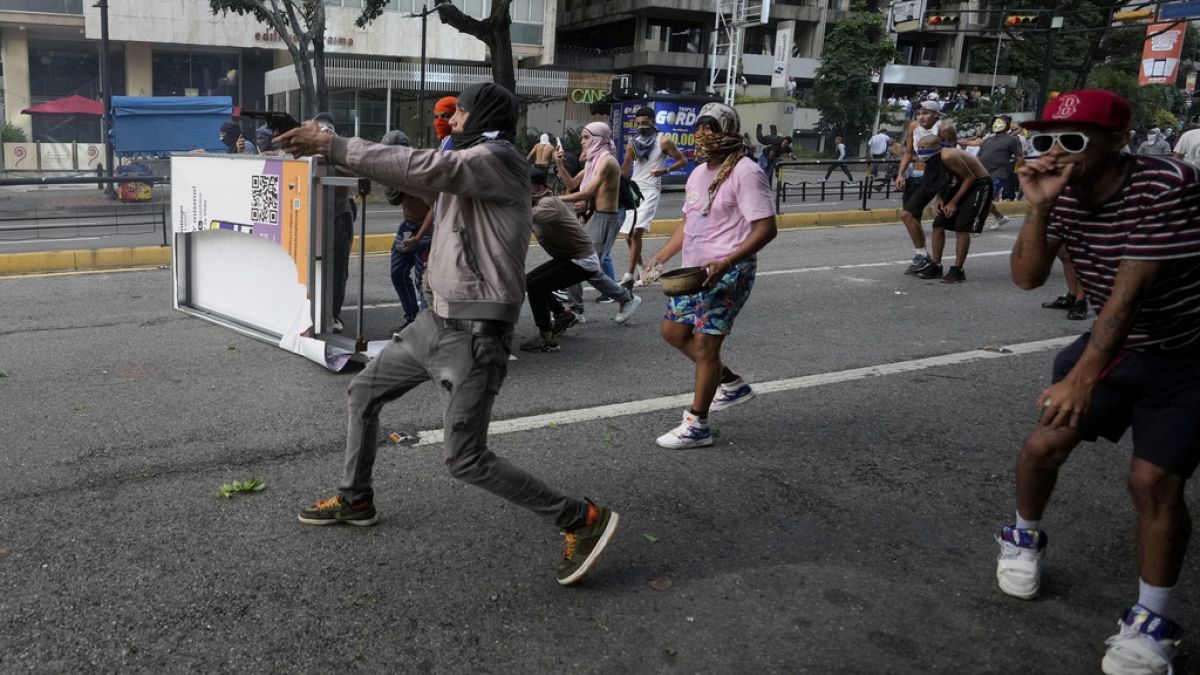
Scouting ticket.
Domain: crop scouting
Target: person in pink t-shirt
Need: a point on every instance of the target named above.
(728, 216)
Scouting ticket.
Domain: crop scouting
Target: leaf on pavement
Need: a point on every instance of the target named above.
(660, 583)
(228, 490)
(650, 538)
(3, 373)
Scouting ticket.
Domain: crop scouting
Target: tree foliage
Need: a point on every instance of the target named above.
(300, 24)
(494, 31)
(843, 91)
(1088, 51)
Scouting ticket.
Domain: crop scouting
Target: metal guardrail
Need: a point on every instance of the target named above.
(139, 214)
(862, 189)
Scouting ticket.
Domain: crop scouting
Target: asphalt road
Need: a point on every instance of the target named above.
(27, 224)
(843, 523)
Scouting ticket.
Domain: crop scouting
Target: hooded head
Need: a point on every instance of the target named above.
(718, 139)
(396, 137)
(722, 119)
(544, 140)
(442, 111)
(230, 132)
(599, 144)
(491, 111)
(262, 137)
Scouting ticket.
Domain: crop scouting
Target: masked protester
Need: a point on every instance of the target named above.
(408, 260)
(646, 161)
(542, 154)
(443, 110)
(728, 217)
(1001, 153)
(477, 273)
(231, 137)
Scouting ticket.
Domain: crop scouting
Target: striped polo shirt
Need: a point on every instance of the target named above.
(1155, 216)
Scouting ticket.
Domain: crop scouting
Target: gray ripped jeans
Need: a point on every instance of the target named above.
(467, 371)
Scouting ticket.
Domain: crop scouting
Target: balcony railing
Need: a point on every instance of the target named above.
(43, 6)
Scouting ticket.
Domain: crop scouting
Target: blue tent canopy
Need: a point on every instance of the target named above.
(160, 125)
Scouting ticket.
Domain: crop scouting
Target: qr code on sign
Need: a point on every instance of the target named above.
(264, 199)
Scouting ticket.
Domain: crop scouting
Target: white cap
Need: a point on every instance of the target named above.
(931, 105)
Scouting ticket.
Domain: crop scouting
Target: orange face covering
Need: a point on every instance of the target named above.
(442, 107)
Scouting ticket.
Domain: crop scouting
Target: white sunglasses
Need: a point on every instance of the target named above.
(1073, 142)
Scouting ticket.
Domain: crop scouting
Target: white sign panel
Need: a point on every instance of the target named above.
(20, 156)
(88, 156)
(56, 156)
(783, 53)
(244, 223)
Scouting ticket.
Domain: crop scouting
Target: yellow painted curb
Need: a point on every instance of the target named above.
(36, 262)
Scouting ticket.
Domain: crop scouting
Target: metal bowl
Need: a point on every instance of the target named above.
(683, 281)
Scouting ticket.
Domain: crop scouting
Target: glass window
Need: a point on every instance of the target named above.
(58, 69)
(191, 73)
(537, 11)
(519, 10)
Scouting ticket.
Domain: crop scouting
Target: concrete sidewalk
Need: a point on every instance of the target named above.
(80, 260)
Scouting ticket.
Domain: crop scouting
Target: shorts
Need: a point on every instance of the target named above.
(645, 211)
(972, 211)
(714, 310)
(1157, 393)
(997, 187)
(915, 198)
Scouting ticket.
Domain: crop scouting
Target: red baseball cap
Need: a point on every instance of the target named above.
(1097, 107)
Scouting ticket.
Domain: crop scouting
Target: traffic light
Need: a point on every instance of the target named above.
(1020, 21)
(941, 20)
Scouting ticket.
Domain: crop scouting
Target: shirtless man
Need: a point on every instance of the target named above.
(646, 157)
(928, 123)
(963, 188)
(542, 154)
(597, 184)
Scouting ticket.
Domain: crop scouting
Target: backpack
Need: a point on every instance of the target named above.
(629, 195)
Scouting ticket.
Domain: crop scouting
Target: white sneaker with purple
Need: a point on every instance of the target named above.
(729, 395)
(1145, 644)
(692, 433)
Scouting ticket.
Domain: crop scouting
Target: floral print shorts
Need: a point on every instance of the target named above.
(712, 311)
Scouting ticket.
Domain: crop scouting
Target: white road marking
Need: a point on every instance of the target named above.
(770, 273)
(612, 410)
(17, 242)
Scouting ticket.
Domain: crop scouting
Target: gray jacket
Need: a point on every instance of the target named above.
(484, 215)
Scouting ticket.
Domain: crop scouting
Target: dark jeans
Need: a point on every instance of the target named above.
(544, 280)
(404, 263)
(839, 165)
(468, 370)
(343, 240)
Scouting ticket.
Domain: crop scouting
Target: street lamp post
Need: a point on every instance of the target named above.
(424, 14)
(106, 95)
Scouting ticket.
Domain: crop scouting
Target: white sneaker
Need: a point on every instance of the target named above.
(692, 433)
(1019, 565)
(729, 395)
(1145, 644)
(337, 326)
(627, 309)
(1000, 222)
(626, 279)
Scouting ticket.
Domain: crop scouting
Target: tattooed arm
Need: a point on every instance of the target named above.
(1065, 403)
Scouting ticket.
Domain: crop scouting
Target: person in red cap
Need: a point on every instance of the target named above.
(1130, 224)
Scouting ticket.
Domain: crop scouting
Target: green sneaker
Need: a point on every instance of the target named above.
(333, 511)
(585, 545)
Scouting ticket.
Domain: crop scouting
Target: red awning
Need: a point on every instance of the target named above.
(71, 105)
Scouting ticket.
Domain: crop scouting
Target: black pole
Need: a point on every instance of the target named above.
(106, 94)
(421, 100)
(1047, 64)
